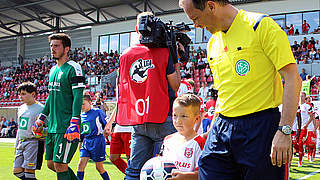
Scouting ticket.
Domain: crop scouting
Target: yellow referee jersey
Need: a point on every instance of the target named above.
(245, 62)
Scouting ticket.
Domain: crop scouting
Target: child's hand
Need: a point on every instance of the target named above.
(107, 130)
(176, 175)
(179, 175)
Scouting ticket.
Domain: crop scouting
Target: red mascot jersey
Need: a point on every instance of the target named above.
(143, 87)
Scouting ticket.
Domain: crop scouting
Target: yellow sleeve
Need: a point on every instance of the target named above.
(275, 43)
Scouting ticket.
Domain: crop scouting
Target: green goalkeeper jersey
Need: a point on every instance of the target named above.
(66, 84)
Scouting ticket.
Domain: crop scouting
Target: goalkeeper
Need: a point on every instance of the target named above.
(62, 107)
(29, 147)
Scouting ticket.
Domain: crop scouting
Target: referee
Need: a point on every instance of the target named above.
(248, 53)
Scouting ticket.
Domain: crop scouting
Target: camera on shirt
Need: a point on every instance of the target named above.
(157, 34)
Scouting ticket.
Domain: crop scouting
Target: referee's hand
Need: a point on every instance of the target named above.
(281, 151)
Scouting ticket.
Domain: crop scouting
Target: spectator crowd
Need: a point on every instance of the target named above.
(93, 64)
(307, 51)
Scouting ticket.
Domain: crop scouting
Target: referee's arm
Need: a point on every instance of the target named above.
(281, 144)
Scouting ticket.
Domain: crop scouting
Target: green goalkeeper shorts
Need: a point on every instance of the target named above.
(58, 149)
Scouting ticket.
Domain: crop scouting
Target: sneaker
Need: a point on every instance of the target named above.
(299, 164)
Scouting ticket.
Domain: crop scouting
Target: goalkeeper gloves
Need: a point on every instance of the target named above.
(73, 131)
(41, 134)
(38, 124)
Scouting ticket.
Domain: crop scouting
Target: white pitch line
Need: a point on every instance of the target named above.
(309, 175)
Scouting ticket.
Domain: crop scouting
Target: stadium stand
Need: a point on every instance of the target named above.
(37, 72)
(94, 64)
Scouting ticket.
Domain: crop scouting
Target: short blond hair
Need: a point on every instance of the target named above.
(187, 100)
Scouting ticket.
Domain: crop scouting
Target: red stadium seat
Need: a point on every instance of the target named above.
(196, 71)
(196, 74)
(196, 79)
(202, 71)
(197, 84)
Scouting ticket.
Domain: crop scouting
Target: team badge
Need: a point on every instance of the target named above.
(139, 70)
(85, 128)
(242, 67)
(24, 121)
(188, 152)
(60, 74)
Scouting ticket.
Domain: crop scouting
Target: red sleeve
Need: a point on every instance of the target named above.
(201, 141)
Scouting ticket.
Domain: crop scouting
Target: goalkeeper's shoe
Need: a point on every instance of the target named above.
(38, 124)
(73, 131)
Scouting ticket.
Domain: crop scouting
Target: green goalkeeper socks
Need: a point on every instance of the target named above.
(64, 175)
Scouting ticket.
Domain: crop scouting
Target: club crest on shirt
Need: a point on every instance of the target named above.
(139, 70)
(242, 67)
(60, 74)
(188, 152)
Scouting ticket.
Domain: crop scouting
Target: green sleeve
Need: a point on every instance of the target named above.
(46, 108)
(77, 101)
(77, 80)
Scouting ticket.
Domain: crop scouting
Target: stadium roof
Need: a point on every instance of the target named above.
(28, 17)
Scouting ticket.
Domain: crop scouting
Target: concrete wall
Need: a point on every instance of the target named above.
(8, 52)
(38, 46)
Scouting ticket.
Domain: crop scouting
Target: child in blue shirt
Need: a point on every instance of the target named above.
(93, 145)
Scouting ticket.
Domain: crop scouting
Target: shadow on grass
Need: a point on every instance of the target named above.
(107, 161)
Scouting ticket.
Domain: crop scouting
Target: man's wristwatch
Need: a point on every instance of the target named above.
(286, 129)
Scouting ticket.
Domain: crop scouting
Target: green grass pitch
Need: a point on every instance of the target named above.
(7, 157)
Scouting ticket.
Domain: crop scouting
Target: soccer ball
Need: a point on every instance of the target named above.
(157, 168)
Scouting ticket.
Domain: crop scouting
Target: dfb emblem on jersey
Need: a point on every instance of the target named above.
(188, 152)
(139, 70)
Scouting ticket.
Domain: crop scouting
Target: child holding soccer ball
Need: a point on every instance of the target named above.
(29, 146)
(184, 147)
(93, 145)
